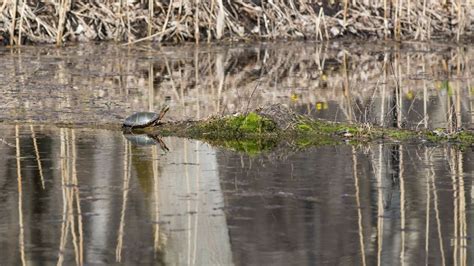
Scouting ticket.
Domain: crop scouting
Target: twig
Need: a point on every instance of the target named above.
(255, 88)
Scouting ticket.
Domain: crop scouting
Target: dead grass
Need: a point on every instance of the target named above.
(58, 21)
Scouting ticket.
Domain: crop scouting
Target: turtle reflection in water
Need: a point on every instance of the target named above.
(144, 119)
(145, 140)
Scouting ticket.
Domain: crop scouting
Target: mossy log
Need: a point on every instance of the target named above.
(264, 128)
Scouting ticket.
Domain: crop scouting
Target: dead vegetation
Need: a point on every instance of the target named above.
(59, 21)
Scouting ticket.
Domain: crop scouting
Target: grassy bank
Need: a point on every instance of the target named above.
(59, 21)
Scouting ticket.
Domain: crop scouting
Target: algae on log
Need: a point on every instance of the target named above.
(268, 126)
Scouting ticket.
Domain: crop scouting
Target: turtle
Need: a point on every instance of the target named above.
(144, 119)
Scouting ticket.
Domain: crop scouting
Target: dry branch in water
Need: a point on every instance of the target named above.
(58, 21)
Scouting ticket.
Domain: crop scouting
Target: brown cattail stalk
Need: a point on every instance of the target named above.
(220, 20)
(22, 15)
(196, 22)
(346, 6)
(397, 20)
(13, 24)
(129, 28)
(168, 13)
(151, 4)
(385, 15)
(63, 9)
(409, 12)
(460, 20)
(181, 20)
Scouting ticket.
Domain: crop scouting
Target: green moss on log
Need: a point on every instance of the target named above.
(238, 127)
(253, 133)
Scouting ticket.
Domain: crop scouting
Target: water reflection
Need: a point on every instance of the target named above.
(79, 196)
(145, 140)
(383, 204)
(410, 85)
(99, 199)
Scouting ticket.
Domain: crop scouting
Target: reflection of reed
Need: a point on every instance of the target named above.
(21, 237)
(432, 188)
(402, 204)
(71, 198)
(397, 76)
(469, 88)
(462, 203)
(457, 91)
(453, 167)
(296, 77)
(347, 91)
(220, 78)
(188, 205)
(64, 223)
(192, 204)
(380, 206)
(38, 159)
(314, 74)
(196, 78)
(154, 156)
(127, 171)
(428, 203)
(75, 196)
(151, 89)
(425, 94)
(462, 238)
(459, 241)
(359, 208)
(384, 89)
(197, 180)
(438, 218)
(436, 225)
(156, 187)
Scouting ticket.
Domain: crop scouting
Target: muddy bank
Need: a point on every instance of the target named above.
(204, 21)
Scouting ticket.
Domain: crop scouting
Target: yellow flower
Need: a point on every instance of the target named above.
(321, 106)
(294, 97)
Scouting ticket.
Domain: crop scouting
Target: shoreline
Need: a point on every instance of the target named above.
(255, 132)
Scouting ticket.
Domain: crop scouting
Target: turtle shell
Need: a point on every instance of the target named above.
(141, 119)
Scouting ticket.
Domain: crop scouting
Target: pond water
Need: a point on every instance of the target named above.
(75, 190)
(73, 196)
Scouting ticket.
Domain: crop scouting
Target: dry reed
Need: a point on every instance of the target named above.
(57, 21)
